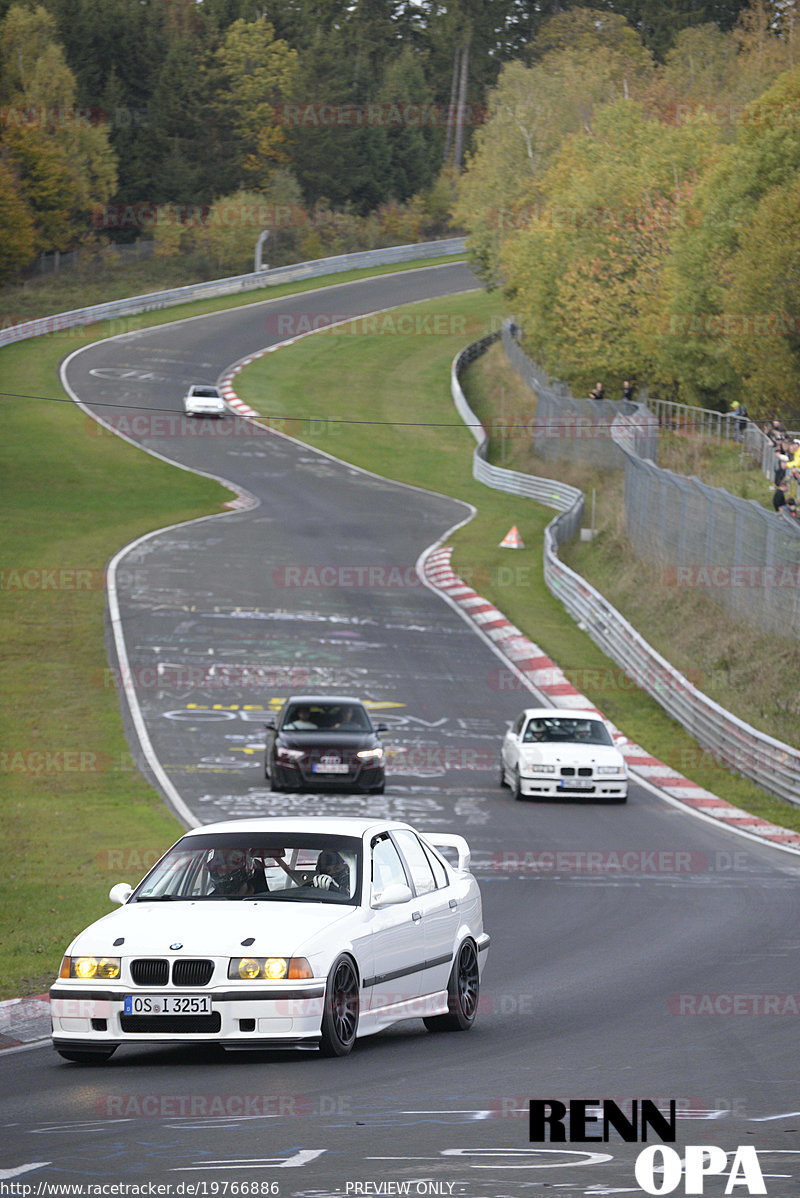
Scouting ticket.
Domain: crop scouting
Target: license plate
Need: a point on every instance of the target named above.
(167, 1004)
(576, 784)
(322, 767)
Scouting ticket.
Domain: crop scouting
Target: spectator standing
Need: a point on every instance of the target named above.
(627, 392)
(738, 414)
(779, 498)
(599, 392)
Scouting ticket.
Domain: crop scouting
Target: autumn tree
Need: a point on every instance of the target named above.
(586, 275)
(61, 159)
(530, 113)
(711, 243)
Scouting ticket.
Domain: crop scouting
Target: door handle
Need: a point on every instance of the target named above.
(416, 916)
(452, 904)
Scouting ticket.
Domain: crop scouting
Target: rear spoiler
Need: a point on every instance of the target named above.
(449, 841)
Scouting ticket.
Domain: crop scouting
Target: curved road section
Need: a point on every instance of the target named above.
(636, 952)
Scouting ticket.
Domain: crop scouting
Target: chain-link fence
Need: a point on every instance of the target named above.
(723, 426)
(567, 426)
(739, 553)
(770, 763)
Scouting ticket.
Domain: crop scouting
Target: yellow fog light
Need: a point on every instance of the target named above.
(84, 967)
(270, 969)
(275, 968)
(90, 967)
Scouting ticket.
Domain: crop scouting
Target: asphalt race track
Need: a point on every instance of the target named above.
(594, 970)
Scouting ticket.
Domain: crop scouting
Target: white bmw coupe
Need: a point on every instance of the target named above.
(278, 933)
(554, 753)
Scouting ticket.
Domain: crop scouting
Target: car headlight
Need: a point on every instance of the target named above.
(289, 754)
(611, 769)
(87, 968)
(371, 754)
(270, 969)
(537, 767)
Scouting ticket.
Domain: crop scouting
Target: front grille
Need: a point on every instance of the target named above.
(150, 972)
(192, 973)
(585, 771)
(567, 771)
(173, 1024)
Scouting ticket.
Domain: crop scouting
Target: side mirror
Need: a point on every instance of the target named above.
(381, 727)
(270, 723)
(120, 893)
(392, 896)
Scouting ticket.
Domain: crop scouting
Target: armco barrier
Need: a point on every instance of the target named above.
(769, 763)
(237, 283)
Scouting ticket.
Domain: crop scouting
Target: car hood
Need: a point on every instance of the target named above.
(570, 753)
(328, 740)
(210, 928)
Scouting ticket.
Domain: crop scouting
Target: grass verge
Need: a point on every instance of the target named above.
(405, 378)
(76, 815)
(109, 280)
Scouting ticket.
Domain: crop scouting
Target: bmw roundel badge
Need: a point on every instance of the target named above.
(174, 947)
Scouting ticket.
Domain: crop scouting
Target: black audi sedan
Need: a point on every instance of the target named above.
(324, 741)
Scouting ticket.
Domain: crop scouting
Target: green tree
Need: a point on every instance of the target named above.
(586, 276)
(62, 161)
(530, 113)
(713, 226)
(256, 73)
(762, 330)
(17, 233)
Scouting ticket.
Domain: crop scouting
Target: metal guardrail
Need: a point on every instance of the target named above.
(768, 762)
(230, 286)
(706, 422)
(544, 490)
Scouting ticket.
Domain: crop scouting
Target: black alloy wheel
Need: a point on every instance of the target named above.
(340, 1017)
(463, 990)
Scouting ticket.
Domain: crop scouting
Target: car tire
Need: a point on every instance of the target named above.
(274, 784)
(87, 1057)
(377, 790)
(503, 775)
(463, 991)
(516, 788)
(340, 1014)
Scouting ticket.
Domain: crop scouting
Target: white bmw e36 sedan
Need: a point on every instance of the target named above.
(278, 933)
(555, 753)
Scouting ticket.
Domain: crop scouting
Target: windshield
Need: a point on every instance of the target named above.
(561, 728)
(295, 868)
(328, 717)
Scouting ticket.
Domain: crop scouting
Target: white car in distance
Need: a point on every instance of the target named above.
(204, 400)
(551, 753)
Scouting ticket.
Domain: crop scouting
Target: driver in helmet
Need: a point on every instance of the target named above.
(233, 873)
(331, 872)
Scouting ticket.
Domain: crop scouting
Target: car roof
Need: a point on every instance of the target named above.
(328, 825)
(351, 699)
(572, 713)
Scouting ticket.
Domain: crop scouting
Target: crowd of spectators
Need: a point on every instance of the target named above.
(787, 470)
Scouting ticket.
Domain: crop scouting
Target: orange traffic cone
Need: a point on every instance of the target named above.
(512, 540)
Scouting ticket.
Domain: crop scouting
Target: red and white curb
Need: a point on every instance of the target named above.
(24, 1020)
(543, 674)
(228, 393)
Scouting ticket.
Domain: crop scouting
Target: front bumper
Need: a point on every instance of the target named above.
(550, 786)
(303, 777)
(263, 1015)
